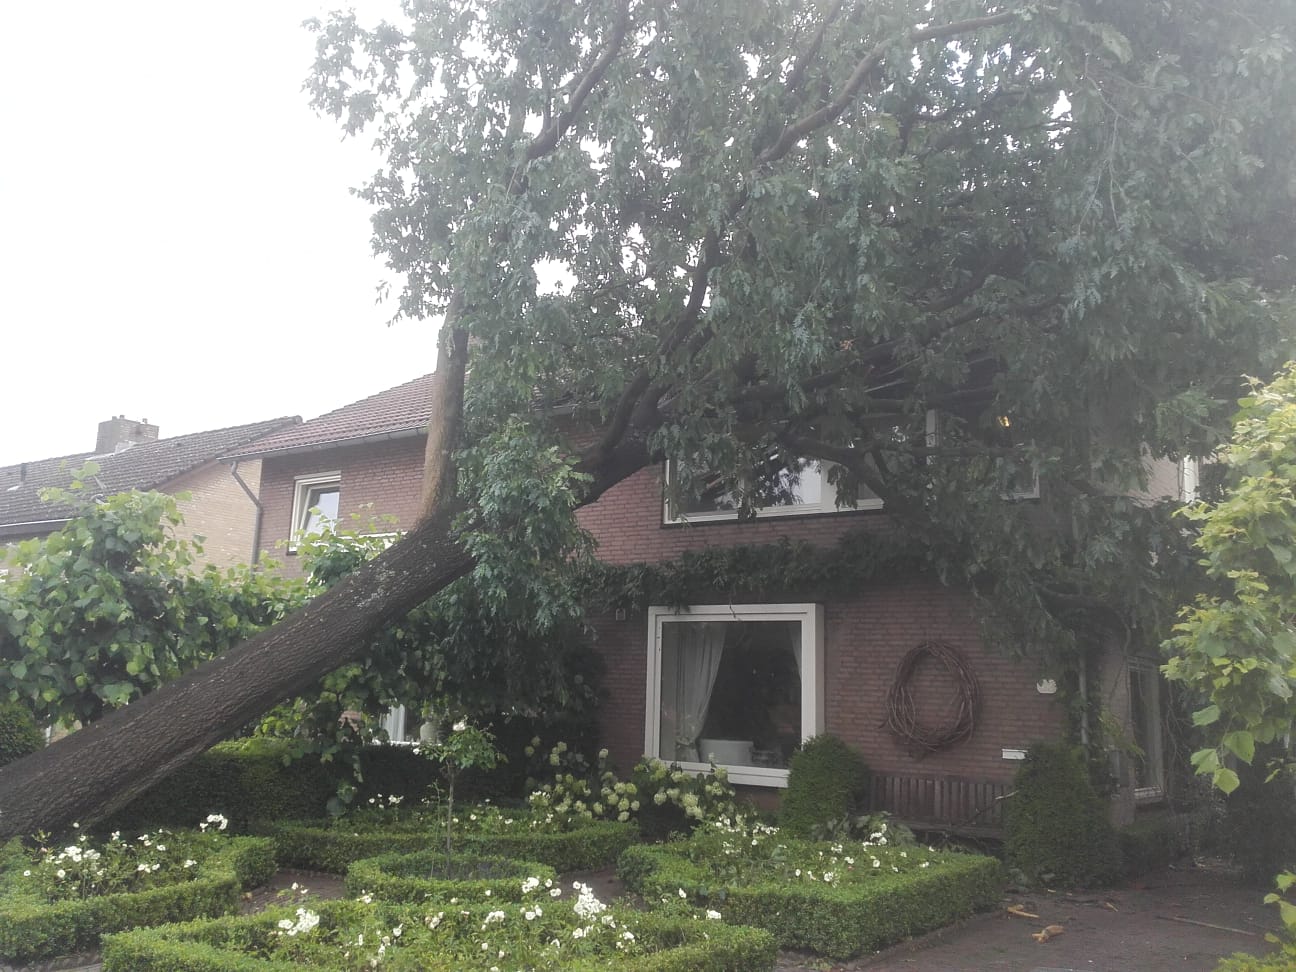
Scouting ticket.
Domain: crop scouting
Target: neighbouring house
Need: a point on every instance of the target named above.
(743, 681)
(360, 466)
(219, 497)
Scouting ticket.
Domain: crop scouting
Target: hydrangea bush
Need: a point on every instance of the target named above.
(661, 797)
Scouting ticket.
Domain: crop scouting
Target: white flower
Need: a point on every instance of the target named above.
(713, 915)
(682, 893)
(433, 920)
(461, 725)
(60, 873)
(190, 863)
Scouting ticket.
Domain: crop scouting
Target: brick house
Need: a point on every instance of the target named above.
(220, 505)
(744, 682)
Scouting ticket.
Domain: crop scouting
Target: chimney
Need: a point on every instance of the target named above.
(120, 433)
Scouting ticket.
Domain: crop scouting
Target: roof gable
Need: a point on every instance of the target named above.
(403, 410)
(144, 466)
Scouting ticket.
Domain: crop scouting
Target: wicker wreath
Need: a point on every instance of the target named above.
(901, 713)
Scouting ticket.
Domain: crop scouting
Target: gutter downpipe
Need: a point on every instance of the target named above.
(260, 511)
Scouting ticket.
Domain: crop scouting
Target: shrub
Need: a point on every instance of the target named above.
(1057, 831)
(827, 780)
(33, 928)
(449, 940)
(1259, 827)
(425, 876)
(1155, 841)
(663, 799)
(836, 899)
(325, 845)
(1283, 960)
(19, 735)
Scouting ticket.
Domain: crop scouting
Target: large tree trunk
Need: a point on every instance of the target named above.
(100, 768)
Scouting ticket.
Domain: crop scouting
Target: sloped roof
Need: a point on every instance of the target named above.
(145, 465)
(403, 410)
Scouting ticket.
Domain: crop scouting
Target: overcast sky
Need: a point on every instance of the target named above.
(177, 239)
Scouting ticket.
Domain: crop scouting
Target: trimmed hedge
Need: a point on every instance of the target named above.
(31, 929)
(826, 781)
(406, 877)
(837, 921)
(319, 845)
(255, 779)
(219, 946)
(1057, 831)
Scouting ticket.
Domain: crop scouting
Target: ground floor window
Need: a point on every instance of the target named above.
(738, 684)
(1145, 723)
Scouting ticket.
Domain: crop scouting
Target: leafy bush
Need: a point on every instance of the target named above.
(836, 899)
(827, 780)
(33, 927)
(349, 935)
(425, 877)
(1283, 960)
(1057, 831)
(19, 735)
(1259, 826)
(1155, 841)
(331, 845)
(663, 799)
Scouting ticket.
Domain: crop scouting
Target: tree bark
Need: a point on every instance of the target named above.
(440, 481)
(100, 768)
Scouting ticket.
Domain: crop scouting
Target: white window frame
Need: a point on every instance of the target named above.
(1154, 754)
(827, 503)
(302, 485)
(811, 617)
(1189, 480)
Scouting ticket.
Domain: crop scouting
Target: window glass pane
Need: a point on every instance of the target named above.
(1146, 727)
(321, 508)
(730, 690)
(776, 485)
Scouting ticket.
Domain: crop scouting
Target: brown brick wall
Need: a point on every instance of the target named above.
(627, 522)
(865, 638)
(219, 510)
(377, 479)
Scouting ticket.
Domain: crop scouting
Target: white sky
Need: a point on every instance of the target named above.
(177, 240)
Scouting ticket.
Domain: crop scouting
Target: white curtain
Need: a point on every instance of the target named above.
(700, 647)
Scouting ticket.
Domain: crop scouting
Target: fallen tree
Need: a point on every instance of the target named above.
(938, 253)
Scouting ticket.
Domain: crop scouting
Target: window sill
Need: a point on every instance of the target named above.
(1148, 794)
(742, 775)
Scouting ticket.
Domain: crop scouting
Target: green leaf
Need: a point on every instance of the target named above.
(1241, 744)
(1206, 716)
(1225, 780)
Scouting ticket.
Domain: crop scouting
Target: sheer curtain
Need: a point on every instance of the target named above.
(700, 648)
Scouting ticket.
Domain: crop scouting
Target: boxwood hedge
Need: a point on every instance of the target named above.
(230, 944)
(414, 877)
(834, 920)
(33, 929)
(324, 845)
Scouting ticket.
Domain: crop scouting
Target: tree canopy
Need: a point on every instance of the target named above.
(750, 234)
(933, 245)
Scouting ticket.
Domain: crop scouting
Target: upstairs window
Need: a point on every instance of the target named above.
(777, 490)
(315, 505)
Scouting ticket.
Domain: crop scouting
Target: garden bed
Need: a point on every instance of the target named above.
(332, 845)
(57, 901)
(541, 934)
(425, 876)
(833, 898)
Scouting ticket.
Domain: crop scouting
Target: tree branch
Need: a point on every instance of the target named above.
(833, 110)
